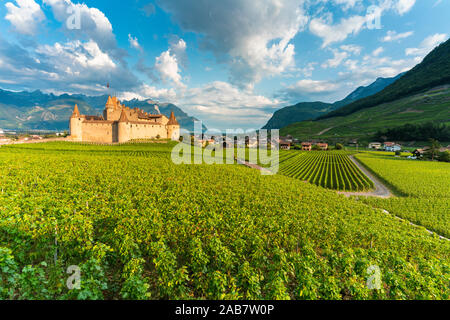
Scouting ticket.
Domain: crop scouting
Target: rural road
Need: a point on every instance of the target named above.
(381, 191)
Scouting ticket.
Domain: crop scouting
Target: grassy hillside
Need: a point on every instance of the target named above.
(300, 112)
(432, 105)
(433, 71)
(311, 110)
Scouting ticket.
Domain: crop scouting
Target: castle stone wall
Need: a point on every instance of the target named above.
(101, 132)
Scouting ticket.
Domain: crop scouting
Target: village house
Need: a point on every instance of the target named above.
(306, 146)
(120, 123)
(420, 152)
(284, 145)
(375, 145)
(392, 146)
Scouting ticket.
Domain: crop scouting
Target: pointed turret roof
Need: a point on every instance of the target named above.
(172, 120)
(76, 112)
(110, 101)
(123, 116)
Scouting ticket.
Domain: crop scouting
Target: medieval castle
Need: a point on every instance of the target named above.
(121, 124)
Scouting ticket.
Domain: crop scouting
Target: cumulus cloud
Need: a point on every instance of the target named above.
(427, 45)
(93, 25)
(25, 17)
(72, 66)
(167, 66)
(134, 43)
(168, 63)
(394, 36)
(252, 37)
(85, 63)
(220, 100)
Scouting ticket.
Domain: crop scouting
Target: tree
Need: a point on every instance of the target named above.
(434, 149)
(339, 146)
(444, 156)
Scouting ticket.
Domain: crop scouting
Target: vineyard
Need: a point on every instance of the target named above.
(423, 189)
(140, 227)
(333, 170)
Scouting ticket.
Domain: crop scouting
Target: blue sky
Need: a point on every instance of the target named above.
(230, 63)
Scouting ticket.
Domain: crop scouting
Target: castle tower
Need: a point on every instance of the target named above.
(173, 128)
(122, 128)
(76, 132)
(109, 109)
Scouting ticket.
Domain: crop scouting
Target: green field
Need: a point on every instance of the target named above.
(429, 106)
(140, 227)
(423, 189)
(333, 170)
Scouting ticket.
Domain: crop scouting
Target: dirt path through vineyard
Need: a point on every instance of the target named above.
(381, 191)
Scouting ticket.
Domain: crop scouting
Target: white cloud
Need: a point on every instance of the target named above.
(145, 92)
(403, 6)
(338, 32)
(354, 49)
(25, 17)
(334, 62)
(93, 25)
(313, 86)
(340, 56)
(378, 51)
(324, 28)
(167, 66)
(222, 105)
(134, 43)
(394, 36)
(178, 49)
(73, 57)
(347, 4)
(427, 45)
(253, 37)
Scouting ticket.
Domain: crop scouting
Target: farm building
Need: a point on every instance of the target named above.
(375, 145)
(419, 152)
(392, 146)
(306, 146)
(284, 145)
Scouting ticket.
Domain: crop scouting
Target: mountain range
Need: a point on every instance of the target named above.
(311, 110)
(40, 111)
(420, 95)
